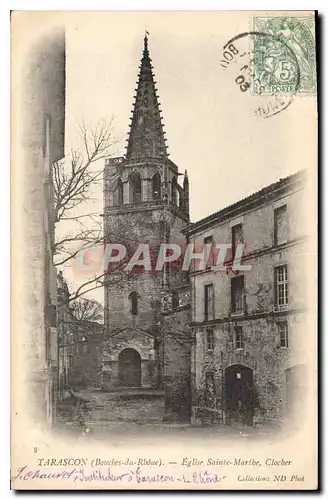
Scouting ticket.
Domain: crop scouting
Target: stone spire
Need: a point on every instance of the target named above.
(146, 137)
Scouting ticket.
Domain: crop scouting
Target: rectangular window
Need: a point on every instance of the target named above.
(239, 338)
(281, 287)
(209, 302)
(280, 225)
(236, 236)
(210, 339)
(237, 294)
(283, 333)
(210, 252)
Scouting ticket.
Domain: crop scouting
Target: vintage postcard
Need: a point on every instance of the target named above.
(164, 250)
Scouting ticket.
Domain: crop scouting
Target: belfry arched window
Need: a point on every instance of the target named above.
(134, 299)
(156, 186)
(174, 189)
(135, 188)
(120, 192)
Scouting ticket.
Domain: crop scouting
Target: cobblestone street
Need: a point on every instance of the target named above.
(126, 405)
(128, 415)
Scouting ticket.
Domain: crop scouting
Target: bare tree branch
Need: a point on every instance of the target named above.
(87, 310)
(72, 185)
(73, 182)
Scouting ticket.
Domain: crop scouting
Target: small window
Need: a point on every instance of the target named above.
(239, 337)
(175, 300)
(209, 255)
(236, 236)
(134, 298)
(210, 339)
(281, 287)
(85, 348)
(280, 225)
(209, 302)
(237, 294)
(283, 333)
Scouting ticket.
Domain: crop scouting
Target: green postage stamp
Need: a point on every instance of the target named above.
(284, 55)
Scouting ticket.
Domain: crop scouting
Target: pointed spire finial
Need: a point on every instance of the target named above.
(146, 40)
(146, 136)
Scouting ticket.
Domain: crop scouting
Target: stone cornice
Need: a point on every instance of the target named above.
(253, 255)
(245, 317)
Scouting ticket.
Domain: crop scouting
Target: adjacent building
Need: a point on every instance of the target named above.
(39, 104)
(248, 357)
(79, 346)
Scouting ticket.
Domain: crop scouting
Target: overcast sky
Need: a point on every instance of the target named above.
(210, 125)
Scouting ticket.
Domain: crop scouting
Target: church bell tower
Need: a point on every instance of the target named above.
(143, 204)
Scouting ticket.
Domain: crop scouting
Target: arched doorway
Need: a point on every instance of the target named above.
(129, 363)
(239, 394)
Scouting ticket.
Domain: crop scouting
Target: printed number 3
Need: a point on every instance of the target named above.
(240, 80)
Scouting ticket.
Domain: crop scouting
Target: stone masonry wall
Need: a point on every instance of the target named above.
(177, 342)
(261, 353)
(259, 318)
